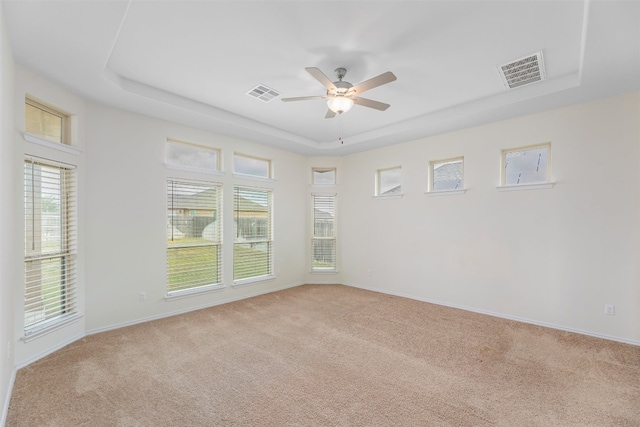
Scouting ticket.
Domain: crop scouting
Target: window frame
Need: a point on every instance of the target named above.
(378, 183)
(431, 178)
(66, 222)
(65, 133)
(217, 243)
(324, 169)
(269, 162)
(269, 240)
(176, 166)
(548, 183)
(316, 238)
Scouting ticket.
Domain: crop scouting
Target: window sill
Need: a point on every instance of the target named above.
(175, 295)
(519, 187)
(197, 170)
(50, 326)
(252, 280)
(253, 177)
(391, 196)
(323, 185)
(327, 271)
(29, 137)
(445, 192)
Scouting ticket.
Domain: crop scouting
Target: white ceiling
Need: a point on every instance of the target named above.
(193, 62)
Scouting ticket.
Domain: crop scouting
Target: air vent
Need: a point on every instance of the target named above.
(263, 93)
(523, 71)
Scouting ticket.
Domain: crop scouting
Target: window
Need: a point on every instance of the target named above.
(323, 243)
(529, 165)
(252, 166)
(446, 175)
(253, 235)
(194, 241)
(323, 176)
(192, 156)
(45, 122)
(389, 182)
(50, 244)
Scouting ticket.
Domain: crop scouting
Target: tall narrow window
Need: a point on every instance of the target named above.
(50, 244)
(323, 243)
(528, 165)
(253, 234)
(194, 241)
(45, 122)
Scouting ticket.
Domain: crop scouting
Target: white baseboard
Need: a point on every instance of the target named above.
(49, 351)
(7, 400)
(194, 308)
(500, 315)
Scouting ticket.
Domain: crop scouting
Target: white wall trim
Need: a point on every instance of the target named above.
(7, 400)
(500, 315)
(187, 310)
(51, 144)
(50, 350)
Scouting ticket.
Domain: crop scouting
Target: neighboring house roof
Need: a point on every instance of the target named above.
(448, 172)
(395, 190)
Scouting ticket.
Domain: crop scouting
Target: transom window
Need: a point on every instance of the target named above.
(446, 175)
(253, 234)
(251, 166)
(50, 244)
(389, 182)
(192, 156)
(323, 176)
(45, 122)
(194, 236)
(527, 165)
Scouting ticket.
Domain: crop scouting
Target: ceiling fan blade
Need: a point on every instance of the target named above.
(303, 98)
(380, 80)
(330, 114)
(371, 103)
(321, 77)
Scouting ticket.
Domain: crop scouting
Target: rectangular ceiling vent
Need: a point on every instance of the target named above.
(263, 93)
(523, 71)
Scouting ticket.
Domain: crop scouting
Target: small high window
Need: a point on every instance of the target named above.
(251, 166)
(446, 175)
(323, 176)
(389, 182)
(46, 122)
(527, 165)
(191, 156)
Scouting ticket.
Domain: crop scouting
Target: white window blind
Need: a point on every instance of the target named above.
(45, 122)
(194, 238)
(50, 244)
(253, 233)
(323, 243)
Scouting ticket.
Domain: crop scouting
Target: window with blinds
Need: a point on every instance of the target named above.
(253, 234)
(45, 122)
(50, 244)
(194, 236)
(323, 242)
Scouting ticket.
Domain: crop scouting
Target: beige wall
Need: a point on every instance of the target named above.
(553, 256)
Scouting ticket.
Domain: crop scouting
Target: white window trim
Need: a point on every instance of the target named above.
(523, 187)
(324, 169)
(532, 186)
(252, 280)
(248, 176)
(50, 326)
(252, 177)
(176, 295)
(54, 111)
(196, 170)
(35, 139)
(389, 196)
(446, 192)
(431, 179)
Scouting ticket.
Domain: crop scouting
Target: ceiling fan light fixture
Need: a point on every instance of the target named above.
(340, 104)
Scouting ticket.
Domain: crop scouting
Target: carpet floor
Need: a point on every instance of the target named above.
(330, 355)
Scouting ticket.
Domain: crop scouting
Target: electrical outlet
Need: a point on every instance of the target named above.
(142, 296)
(610, 309)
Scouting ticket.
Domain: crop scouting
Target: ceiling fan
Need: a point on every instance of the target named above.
(342, 95)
